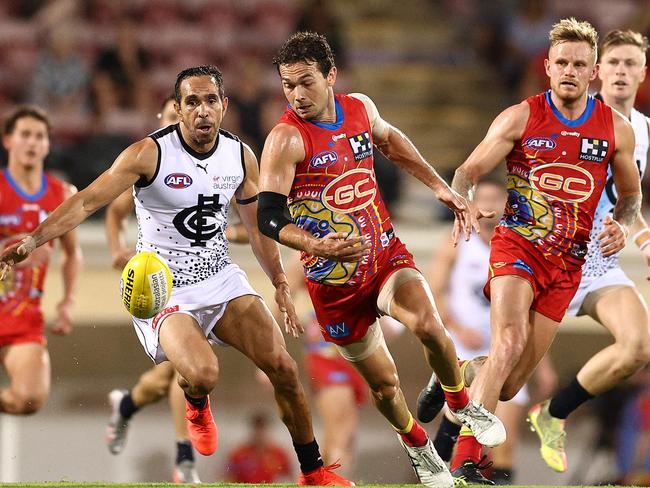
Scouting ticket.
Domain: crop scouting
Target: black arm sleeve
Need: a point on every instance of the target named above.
(272, 214)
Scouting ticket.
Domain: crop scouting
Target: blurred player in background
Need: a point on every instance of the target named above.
(27, 194)
(318, 159)
(606, 294)
(258, 460)
(457, 276)
(558, 146)
(185, 176)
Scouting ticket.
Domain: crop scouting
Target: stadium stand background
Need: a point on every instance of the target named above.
(438, 69)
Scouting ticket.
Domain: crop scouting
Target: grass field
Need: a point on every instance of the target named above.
(68, 484)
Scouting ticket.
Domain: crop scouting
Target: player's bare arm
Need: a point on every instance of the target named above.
(505, 130)
(136, 161)
(117, 214)
(394, 144)
(71, 260)
(628, 186)
(283, 150)
(266, 250)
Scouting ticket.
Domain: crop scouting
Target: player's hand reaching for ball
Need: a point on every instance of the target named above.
(15, 254)
(285, 303)
(612, 237)
(338, 246)
(466, 216)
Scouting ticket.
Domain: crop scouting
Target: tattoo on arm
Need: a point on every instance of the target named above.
(463, 185)
(627, 209)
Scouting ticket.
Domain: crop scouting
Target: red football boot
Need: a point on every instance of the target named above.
(201, 428)
(324, 476)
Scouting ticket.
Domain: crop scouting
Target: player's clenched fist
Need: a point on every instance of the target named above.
(338, 246)
(15, 254)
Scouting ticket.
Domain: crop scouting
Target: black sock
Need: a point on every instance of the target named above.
(184, 451)
(502, 476)
(568, 399)
(127, 407)
(308, 456)
(197, 402)
(446, 438)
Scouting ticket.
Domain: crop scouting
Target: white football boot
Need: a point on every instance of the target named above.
(485, 426)
(429, 467)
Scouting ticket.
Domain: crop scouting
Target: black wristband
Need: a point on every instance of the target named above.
(272, 214)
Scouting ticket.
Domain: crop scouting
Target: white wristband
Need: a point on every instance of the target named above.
(644, 244)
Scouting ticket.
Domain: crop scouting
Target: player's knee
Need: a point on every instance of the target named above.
(508, 348)
(202, 379)
(282, 370)
(26, 403)
(635, 356)
(387, 389)
(429, 330)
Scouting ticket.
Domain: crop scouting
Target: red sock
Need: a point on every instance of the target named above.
(467, 449)
(456, 399)
(416, 437)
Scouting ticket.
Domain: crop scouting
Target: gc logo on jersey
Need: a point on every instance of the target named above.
(351, 191)
(178, 180)
(594, 150)
(361, 146)
(562, 181)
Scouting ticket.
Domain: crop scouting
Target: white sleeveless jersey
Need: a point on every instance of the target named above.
(466, 302)
(596, 264)
(182, 213)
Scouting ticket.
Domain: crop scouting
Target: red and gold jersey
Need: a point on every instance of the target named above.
(20, 213)
(556, 174)
(335, 190)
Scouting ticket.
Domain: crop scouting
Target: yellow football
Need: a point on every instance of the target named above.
(146, 285)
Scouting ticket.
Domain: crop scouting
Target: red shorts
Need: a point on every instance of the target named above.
(22, 328)
(327, 371)
(345, 312)
(553, 287)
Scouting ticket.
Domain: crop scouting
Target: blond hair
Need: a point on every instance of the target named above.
(619, 37)
(572, 30)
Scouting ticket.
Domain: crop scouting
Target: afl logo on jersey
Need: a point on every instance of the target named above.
(178, 180)
(540, 143)
(562, 181)
(324, 159)
(351, 191)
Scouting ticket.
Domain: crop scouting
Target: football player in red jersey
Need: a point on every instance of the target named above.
(318, 160)
(558, 146)
(27, 195)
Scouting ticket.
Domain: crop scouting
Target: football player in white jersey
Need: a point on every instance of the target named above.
(606, 293)
(457, 276)
(184, 177)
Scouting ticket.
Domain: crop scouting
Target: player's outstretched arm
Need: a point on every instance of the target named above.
(505, 130)
(266, 250)
(283, 150)
(117, 214)
(394, 144)
(138, 160)
(628, 187)
(71, 260)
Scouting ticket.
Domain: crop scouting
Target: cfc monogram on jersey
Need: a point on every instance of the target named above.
(556, 174)
(182, 213)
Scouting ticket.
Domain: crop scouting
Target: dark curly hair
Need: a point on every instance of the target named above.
(205, 70)
(306, 47)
